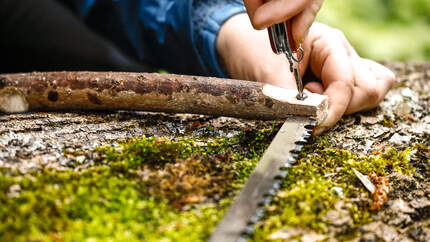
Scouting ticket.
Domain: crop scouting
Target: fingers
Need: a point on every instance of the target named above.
(251, 7)
(352, 83)
(303, 21)
(372, 82)
(339, 93)
(332, 63)
(315, 87)
(264, 13)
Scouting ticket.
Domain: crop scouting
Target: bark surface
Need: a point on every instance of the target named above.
(37, 141)
(153, 92)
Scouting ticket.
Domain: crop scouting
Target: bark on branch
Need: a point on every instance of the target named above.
(153, 92)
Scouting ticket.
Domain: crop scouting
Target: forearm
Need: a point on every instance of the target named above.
(247, 54)
(209, 17)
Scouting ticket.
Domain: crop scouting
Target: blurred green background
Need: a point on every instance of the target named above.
(382, 29)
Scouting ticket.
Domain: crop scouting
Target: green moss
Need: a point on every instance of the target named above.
(302, 204)
(256, 143)
(387, 122)
(72, 152)
(70, 206)
(141, 189)
(135, 153)
(159, 189)
(307, 194)
(156, 152)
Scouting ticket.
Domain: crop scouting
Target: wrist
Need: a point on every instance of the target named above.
(235, 44)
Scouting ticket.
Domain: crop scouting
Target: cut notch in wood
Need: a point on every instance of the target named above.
(12, 101)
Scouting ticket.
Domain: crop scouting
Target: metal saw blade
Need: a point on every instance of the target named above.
(248, 208)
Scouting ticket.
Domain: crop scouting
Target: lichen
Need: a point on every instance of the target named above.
(309, 190)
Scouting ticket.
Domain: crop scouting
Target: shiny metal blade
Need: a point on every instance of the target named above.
(264, 182)
(301, 95)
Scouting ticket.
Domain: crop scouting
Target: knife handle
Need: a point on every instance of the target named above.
(281, 37)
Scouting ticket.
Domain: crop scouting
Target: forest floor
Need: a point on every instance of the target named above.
(150, 176)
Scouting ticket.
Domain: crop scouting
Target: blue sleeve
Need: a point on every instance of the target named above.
(208, 16)
(178, 35)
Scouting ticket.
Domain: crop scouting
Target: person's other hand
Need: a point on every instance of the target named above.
(352, 83)
(264, 13)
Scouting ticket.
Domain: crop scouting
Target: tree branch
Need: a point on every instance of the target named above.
(153, 92)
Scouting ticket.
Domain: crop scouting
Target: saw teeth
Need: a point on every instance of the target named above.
(243, 238)
(291, 161)
(248, 231)
(250, 225)
(294, 155)
(267, 198)
(297, 150)
(304, 139)
(306, 136)
(311, 125)
(276, 186)
(301, 142)
(267, 201)
(271, 192)
(259, 213)
(288, 165)
(256, 217)
(282, 174)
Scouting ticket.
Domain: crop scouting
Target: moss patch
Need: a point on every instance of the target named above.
(97, 203)
(141, 189)
(322, 178)
(157, 189)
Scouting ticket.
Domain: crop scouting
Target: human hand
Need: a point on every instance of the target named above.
(264, 13)
(352, 83)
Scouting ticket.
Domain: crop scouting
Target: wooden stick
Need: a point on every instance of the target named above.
(153, 92)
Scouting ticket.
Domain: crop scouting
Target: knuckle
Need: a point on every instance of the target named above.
(338, 34)
(333, 37)
(373, 95)
(315, 7)
(346, 85)
(338, 38)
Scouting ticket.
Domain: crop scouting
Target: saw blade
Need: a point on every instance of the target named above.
(248, 208)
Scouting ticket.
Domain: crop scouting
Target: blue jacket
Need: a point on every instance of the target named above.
(177, 35)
